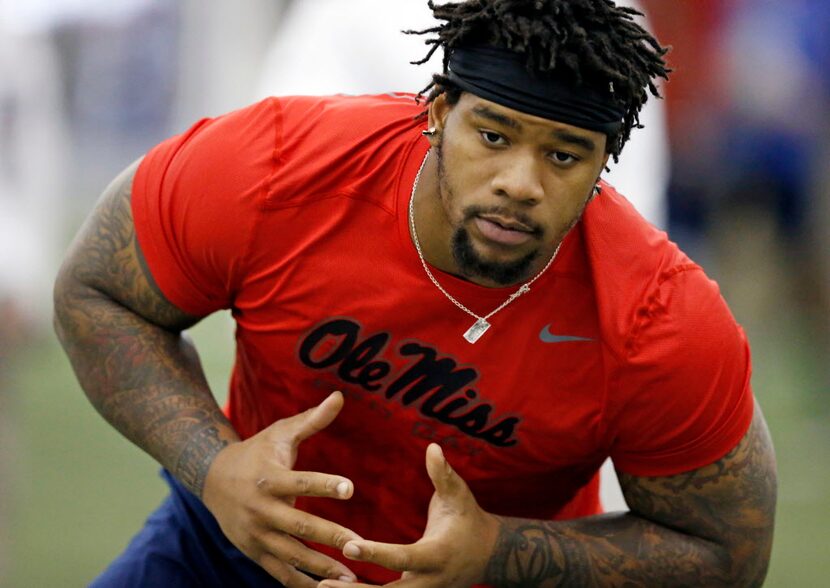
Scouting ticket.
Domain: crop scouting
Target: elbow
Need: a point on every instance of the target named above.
(744, 561)
(68, 304)
(753, 561)
(759, 574)
(59, 304)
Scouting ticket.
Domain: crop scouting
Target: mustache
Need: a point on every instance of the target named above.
(475, 210)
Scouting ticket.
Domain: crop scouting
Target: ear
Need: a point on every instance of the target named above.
(437, 114)
(603, 167)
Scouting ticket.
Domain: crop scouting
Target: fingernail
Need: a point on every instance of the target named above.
(346, 579)
(343, 489)
(351, 550)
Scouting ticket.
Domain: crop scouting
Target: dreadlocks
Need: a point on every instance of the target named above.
(589, 42)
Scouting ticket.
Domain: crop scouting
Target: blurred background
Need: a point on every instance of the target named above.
(733, 166)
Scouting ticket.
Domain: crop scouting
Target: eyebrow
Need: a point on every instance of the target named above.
(559, 134)
(496, 117)
(574, 139)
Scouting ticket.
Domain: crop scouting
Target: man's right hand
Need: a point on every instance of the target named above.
(251, 486)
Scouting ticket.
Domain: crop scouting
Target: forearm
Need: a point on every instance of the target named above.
(618, 549)
(144, 380)
(708, 527)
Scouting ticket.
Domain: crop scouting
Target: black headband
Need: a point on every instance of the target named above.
(501, 76)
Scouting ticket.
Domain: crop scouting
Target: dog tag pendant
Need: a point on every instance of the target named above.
(475, 332)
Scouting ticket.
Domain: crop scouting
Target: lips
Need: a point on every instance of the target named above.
(503, 231)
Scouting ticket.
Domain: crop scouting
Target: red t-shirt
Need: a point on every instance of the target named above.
(293, 214)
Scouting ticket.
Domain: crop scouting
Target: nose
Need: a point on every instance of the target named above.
(520, 179)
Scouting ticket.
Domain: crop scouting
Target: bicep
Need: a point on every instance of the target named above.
(729, 502)
(105, 260)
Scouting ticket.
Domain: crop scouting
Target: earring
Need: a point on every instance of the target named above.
(429, 132)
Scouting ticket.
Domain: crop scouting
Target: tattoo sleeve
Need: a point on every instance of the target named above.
(709, 527)
(126, 345)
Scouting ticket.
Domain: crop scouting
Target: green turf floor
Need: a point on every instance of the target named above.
(79, 490)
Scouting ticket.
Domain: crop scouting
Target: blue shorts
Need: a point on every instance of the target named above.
(181, 544)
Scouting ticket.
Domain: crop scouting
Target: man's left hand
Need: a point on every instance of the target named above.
(456, 545)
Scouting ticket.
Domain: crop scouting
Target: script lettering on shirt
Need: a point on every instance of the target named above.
(429, 432)
(434, 385)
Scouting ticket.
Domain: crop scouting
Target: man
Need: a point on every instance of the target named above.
(462, 277)
(335, 47)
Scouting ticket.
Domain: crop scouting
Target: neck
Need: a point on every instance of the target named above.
(435, 233)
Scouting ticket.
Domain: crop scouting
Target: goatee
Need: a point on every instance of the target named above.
(471, 264)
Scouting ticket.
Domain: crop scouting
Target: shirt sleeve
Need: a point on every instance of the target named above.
(683, 397)
(196, 200)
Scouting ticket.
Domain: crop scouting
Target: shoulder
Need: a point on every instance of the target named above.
(335, 124)
(347, 145)
(293, 130)
(355, 113)
(680, 365)
(633, 266)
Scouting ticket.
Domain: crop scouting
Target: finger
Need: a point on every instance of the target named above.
(339, 584)
(300, 557)
(446, 481)
(284, 573)
(411, 582)
(417, 557)
(290, 483)
(309, 527)
(302, 426)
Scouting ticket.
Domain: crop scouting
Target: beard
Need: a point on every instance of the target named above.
(470, 263)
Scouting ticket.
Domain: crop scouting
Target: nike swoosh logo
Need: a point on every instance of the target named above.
(548, 337)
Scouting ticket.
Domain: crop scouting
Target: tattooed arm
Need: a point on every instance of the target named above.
(710, 527)
(125, 342)
(126, 345)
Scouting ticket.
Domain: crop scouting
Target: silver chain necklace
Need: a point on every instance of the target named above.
(481, 325)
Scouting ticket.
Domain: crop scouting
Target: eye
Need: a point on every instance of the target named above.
(563, 158)
(492, 138)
